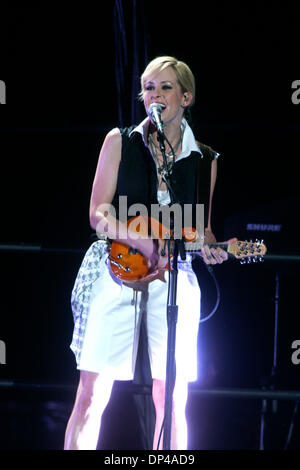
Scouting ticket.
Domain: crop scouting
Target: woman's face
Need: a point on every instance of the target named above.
(163, 87)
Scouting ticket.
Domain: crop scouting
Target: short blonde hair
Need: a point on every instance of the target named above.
(184, 74)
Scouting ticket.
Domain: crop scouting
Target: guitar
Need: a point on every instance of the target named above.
(130, 265)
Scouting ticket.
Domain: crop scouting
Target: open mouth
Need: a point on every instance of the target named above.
(156, 105)
(160, 104)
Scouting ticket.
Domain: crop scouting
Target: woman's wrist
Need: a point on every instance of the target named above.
(149, 248)
(154, 258)
(209, 237)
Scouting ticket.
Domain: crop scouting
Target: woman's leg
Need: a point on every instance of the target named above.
(179, 424)
(83, 428)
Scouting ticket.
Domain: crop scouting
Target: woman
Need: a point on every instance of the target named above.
(106, 323)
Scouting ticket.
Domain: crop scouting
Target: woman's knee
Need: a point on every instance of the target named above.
(158, 391)
(93, 391)
(179, 394)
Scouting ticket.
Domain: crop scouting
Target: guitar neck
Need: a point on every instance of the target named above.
(196, 247)
(223, 246)
(238, 249)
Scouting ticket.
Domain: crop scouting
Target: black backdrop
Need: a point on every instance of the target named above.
(59, 66)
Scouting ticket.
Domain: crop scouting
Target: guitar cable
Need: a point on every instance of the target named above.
(212, 274)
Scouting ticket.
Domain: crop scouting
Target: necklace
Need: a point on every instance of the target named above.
(171, 156)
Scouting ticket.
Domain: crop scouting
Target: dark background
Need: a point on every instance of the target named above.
(59, 66)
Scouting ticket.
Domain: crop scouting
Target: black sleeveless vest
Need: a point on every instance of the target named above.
(137, 177)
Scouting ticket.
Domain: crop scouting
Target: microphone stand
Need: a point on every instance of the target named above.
(272, 379)
(172, 311)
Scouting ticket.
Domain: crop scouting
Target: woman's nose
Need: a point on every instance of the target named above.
(156, 93)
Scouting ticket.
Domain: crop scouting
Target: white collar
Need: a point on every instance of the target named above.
(188, 141)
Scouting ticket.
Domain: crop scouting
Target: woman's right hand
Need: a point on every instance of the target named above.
(159, 256)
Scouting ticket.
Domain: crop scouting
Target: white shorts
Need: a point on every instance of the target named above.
(107, 319)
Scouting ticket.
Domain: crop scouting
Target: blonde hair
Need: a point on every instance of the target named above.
(184, 74)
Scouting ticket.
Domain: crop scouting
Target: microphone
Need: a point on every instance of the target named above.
(155, 110)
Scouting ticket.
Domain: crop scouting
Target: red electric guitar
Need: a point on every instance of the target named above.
(130, 265)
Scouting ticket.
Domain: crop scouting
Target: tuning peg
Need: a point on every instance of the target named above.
(242, 261)
(249, 260)
(255, 260)
(260, 259)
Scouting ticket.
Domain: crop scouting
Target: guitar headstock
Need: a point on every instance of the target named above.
(248, 251)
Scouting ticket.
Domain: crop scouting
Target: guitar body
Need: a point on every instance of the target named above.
(129, 265)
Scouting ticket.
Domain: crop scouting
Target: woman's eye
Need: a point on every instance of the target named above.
(151, 87)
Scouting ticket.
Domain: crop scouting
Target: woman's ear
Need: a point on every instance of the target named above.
(186, 99)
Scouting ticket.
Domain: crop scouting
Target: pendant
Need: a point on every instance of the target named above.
(161, 170)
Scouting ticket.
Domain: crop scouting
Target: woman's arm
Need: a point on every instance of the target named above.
(213, 179)
(104, 186)
(106, 177)
(213, 255)
(209, 236)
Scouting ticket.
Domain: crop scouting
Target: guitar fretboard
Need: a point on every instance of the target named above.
(196, 246)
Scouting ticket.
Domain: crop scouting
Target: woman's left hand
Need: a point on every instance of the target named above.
(214, 255)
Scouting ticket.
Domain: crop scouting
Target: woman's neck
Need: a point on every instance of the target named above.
(172, 132)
